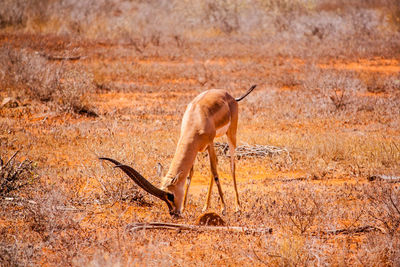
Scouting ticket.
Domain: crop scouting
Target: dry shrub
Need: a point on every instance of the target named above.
(392, 83)
(393, 10)
(289, 250)
(383, 208)
(297, 209)
(285, 6)
(62, 86)
(223, 15)
(378, 83)
(14, 174)
(379, 250)
(315, 26)
(339, 87)
(56, 224)
(332, 156)
(13, 13)
(17, 252)
(381, 204)
(50, 215)
(384, 205)
(119, 188)
(47, 221)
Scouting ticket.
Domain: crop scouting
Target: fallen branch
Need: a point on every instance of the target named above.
(23, 202)
(385, 178)
(248, 151)
(288, 180)
(54, 57)
(174, 226)
(355, 230)
(50, 57)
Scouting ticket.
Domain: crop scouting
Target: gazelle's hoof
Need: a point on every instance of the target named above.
(176, 215)
(238, 210)
(205, 208)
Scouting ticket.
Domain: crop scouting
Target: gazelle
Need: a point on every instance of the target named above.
(211, 114)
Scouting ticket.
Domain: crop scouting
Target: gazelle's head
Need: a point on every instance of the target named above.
(170, 193)
(176, 188)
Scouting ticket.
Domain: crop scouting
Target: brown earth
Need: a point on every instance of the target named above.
(140, 101)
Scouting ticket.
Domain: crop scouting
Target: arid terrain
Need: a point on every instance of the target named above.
(318, 160)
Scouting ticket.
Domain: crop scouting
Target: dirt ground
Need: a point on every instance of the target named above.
(334, 121)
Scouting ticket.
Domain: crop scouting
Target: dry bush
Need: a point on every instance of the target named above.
(138, 23)
(119, 188)
(316, 28)
(15, 13)
(378, 83)
(393, 10)
(223, 15)
(46, 220)
(285, 6)
(14, 175)
(17, 252)
(333, 155)
(297, 209)
(63, 87)
(163, 53)
(43, 218)
(289, 250)
(337, 86)
(50, 215)
(304, 213)
(378, 249)
(384, 205)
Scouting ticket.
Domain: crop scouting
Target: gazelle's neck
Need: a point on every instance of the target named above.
(182, 161)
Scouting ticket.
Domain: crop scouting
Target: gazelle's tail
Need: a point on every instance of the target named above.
(248, 92)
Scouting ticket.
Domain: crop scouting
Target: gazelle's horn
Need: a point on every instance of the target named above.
(143, 183)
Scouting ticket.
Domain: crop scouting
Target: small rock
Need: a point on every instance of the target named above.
(210, 219)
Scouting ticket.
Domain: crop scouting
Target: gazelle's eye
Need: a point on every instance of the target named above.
(170, 197)
(214, 112)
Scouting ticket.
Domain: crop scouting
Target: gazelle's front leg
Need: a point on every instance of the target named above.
(188, 180)
(214, 177)
(208, 198)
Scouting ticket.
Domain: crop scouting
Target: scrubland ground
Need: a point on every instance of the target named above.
(82, 79)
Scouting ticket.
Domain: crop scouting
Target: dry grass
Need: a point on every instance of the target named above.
(64, 87)
(327, 99)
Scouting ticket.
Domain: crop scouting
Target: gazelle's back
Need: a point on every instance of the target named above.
(214, 106)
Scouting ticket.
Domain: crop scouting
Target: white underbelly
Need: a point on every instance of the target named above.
(221, 131)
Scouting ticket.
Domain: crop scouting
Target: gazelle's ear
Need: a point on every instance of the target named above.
(160, 169)
(175, 179)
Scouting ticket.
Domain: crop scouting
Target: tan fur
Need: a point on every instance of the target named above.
(208, 112)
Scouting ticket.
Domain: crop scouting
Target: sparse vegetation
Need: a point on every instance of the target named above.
(65, 88)
(82, 79)
(15, 175)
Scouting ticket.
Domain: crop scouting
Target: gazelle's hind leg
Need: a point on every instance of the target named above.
(214, 177)
(232, 146)
(188, 180)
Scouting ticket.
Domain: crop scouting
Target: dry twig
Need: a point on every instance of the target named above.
(355, 230)
(174, 226)
(59, 58)
(248, 151)
(23, 202)
(385, 178)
